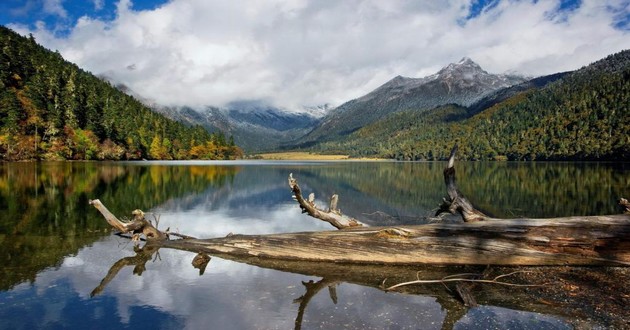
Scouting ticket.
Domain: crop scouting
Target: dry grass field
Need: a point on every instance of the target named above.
(298, 155)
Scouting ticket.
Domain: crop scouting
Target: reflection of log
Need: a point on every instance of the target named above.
(143, 255)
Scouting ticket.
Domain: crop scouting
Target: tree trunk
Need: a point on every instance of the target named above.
(595, 240)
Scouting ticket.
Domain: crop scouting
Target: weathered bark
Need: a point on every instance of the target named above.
(137, 226)
(332, 216)
(456, 202)
(593, 240)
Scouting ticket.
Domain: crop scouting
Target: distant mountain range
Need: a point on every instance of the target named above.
(257, 126)
(492, 116)
(51, 109)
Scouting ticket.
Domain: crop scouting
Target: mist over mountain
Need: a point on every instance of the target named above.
(254, 126)
(454, 95)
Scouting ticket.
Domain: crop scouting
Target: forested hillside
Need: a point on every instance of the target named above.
(50, 109)
(582, 116)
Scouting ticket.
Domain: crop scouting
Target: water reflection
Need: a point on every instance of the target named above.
(56, 251)
(44, 211)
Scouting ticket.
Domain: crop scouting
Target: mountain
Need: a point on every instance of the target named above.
(255, 126)
(461, 83)
(580, 115)
(501, 95)
(50, 109)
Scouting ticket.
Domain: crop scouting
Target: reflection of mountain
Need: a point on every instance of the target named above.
(503, 189)
(383, 193)
(258, 191)
(44, 211)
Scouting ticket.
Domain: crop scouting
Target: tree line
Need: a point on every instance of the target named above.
(50, 109)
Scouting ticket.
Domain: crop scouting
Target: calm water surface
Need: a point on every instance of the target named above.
(62, 267)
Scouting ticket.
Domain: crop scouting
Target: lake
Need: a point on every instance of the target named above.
(63, 268)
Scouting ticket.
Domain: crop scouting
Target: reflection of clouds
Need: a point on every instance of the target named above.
(492, 317)
(238, 296)
(228, 295)
(369, 308)
(281, 218)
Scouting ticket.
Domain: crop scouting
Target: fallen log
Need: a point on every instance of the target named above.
(593, 240)
(480, 240)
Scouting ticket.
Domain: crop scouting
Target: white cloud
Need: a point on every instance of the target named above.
(55, 7)
(210, 52)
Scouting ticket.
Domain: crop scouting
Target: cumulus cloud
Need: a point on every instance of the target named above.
(311, 52)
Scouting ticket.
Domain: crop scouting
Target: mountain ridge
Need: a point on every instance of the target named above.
(578, 115)
(460, 83)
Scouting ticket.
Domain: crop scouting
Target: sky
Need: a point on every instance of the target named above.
(304, 53)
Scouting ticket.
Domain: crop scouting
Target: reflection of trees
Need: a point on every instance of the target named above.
(529, 189)
(44, 206)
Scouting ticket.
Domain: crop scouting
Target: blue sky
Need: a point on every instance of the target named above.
(295, 53)
(61, 15)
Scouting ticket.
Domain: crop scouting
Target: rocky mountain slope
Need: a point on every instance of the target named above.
(462, 83)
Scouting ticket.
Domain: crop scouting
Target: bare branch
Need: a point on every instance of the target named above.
(456, 202)
(137, 226)
(333, 216)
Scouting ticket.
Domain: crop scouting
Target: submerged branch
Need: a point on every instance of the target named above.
(462, 278)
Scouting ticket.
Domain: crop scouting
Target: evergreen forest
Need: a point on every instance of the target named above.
(50, 109)
(582, 116)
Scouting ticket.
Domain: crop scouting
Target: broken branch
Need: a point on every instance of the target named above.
(456, 202)
(137, 226)
(333, 216)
